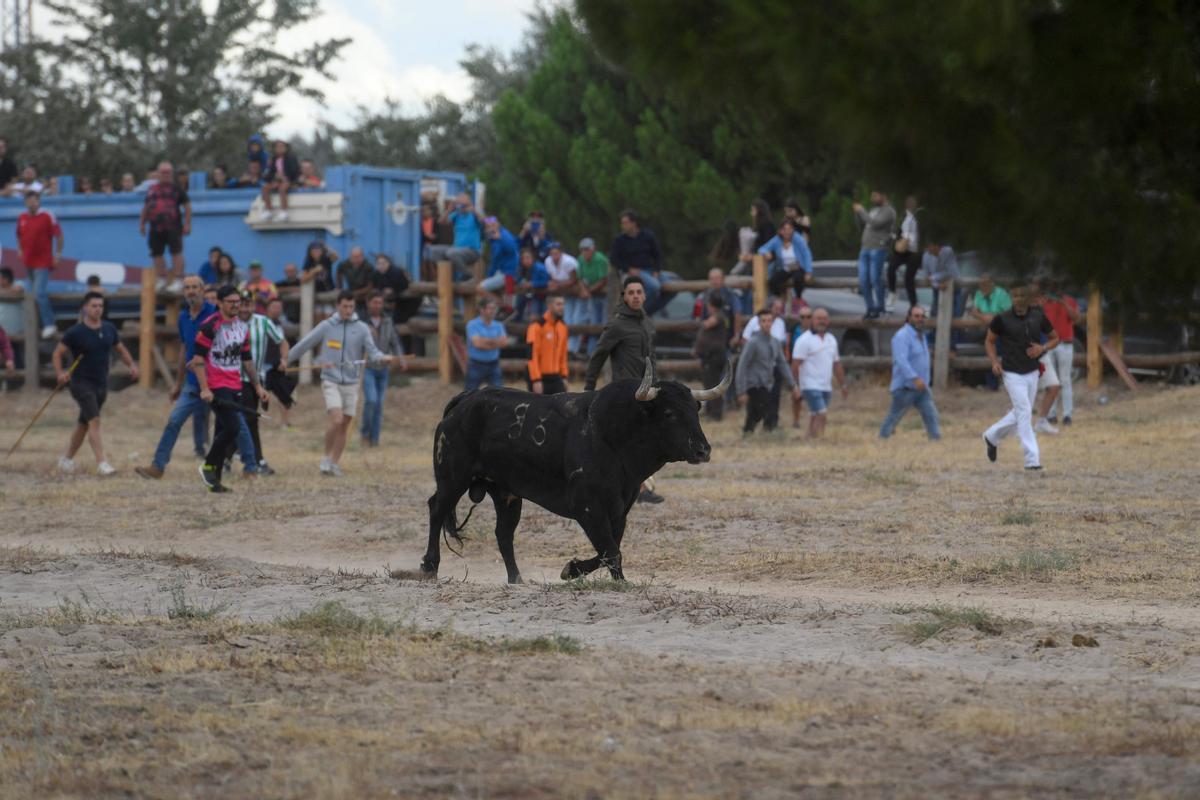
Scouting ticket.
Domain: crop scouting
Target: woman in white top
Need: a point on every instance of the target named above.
(907, 251)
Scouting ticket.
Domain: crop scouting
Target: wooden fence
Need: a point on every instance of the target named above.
(158, 343)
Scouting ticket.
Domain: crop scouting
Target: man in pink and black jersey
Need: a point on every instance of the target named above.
(222, 345)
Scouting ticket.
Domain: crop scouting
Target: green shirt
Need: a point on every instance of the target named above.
(262, 329)
(594, 269)
(995, 303)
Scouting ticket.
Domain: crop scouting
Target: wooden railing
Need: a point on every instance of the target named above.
(158, 344)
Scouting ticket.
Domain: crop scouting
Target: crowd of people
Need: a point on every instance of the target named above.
(236, 355)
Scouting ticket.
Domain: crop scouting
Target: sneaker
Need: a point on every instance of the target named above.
(105, 468)
(335, 471)
(265, 469)
(267, 215)
(49, 331)
(991, 449)
(281, 216)
(1043, 426)
(1053, 419)
(66, 465)
(890, 302)
(1034, 469)
(175, 286)
(325, 464)
(200, 454)
(647, 496)
(1067, 421)
(151, 472)
(160, 284)
(212, 481)
(229, 466)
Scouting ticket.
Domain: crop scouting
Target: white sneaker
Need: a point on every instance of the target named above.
(105, 468)
(335, 471)
(267, 215)
(66, 465)
(1043, 426)
(175, 286)
(325, 465)
(49, 331)
(160, 284)
(281, 216)
(890, 303)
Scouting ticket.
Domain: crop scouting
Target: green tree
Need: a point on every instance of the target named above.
(581, 140)
(1029, 126)
(156, 78)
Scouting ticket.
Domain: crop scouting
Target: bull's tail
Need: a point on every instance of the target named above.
(452, 530)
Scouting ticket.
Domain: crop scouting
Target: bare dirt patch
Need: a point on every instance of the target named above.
(849, 618)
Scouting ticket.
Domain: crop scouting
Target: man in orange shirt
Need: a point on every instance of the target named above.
(547, 340)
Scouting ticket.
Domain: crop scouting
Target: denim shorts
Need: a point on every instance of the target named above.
(817, 400)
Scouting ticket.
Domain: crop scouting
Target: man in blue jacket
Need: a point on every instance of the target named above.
(502, 268)
(910, 377)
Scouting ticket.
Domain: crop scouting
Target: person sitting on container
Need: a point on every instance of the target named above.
(283, 172)
(219, 178)
(309, 179)
(530, 289)
(252, 178)
(256, 152)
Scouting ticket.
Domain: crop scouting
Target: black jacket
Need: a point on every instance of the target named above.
(641, 251)
(291, 169)
(627, 339)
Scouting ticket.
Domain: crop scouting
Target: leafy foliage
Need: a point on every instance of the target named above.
(1066, 127)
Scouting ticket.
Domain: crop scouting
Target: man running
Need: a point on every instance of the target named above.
(628, 340)
(262, 332)
(345, 341)
(186, 394)
(1019, 331)
(222, 348)
(92, 342)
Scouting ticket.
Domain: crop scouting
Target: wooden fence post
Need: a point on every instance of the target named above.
(445, 286)
(944, 329)
(146, 329)
(308, 293)
(32, 333)
(469, 310)
(1095, 325)
(760, 282)
(171, 347)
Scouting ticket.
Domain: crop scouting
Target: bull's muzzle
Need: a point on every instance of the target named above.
(700, 454)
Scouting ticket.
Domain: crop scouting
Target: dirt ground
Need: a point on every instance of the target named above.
(851, 618)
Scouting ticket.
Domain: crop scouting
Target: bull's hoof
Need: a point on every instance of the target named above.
(428, 572)
(570, 571)
(515, 579)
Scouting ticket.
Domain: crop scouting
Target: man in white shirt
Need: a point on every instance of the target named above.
(815, 359)
(563, 270)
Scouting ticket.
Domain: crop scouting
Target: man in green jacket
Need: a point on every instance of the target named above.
(628, 340)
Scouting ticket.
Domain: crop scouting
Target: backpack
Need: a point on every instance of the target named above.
(162, 203)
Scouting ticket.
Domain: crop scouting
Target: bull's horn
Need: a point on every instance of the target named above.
(647, 391)
(699, 395)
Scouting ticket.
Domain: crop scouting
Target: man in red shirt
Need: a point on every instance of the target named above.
(1063, 313)
(41, 241)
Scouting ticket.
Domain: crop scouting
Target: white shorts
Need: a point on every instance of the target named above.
(340, 397)
(1049, 376)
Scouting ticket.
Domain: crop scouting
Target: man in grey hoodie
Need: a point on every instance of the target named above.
(878, 224)
(760, 365)
(346, 344)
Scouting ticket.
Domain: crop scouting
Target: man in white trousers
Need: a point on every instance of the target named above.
(1024, 334)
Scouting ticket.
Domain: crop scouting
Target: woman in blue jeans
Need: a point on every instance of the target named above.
(375, 379)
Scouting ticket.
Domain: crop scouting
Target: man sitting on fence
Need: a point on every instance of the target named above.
(346, 344)
(502, 268)
(467, 225)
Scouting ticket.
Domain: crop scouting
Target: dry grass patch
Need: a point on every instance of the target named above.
(941, 618)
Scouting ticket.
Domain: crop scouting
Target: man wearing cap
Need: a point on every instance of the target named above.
(40, 238)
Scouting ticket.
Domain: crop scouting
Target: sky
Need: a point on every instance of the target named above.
(407, 50)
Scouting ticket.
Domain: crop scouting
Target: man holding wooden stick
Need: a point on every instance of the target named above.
(91, 343)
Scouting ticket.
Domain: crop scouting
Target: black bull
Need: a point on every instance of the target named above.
(583, 456)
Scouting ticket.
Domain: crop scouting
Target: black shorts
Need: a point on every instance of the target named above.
(90, 397)
(161, 241)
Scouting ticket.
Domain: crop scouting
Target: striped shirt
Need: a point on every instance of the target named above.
(262, 330)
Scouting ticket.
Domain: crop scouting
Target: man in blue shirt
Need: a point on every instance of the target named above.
(504, 262)
(186, 393)
(468, 226)
(485, 337)
(910, 377)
